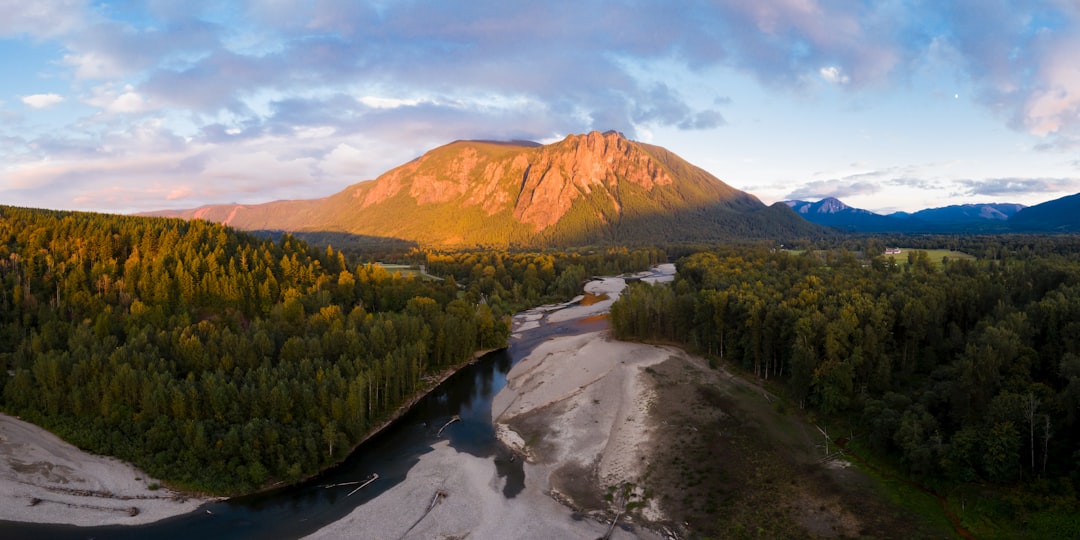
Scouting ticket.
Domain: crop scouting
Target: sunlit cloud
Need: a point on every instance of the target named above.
(312, 96)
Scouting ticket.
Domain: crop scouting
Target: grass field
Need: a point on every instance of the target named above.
(408, 270)
(936, 255)
(403, 269)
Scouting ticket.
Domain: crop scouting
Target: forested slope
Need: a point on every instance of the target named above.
(208, 357)
(967, 374)
(222, 362)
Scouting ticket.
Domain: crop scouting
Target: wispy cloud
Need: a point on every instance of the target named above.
(833, 188)
(43, 18)
(1023, 186)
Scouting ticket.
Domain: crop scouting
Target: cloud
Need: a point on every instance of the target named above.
(1019, 186)
(113, 100)
(42, 101)
(703, 120)
(839, 188)
(833, 75)
(1018, 55)
(344, 90)
(41, 18)
(911, 182)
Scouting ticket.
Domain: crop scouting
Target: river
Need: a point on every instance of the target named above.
(296, 511)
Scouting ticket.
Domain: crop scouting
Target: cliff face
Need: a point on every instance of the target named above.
(585, 188)
(538, 186)
(578, 165)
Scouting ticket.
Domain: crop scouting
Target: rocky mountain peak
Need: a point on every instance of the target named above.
(830, 205)
(592, 187)
(579, 165)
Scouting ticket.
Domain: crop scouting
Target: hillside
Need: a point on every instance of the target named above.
(961, 218)
(831, 212)
(585, 189)
(964, 213)
(1058, 215)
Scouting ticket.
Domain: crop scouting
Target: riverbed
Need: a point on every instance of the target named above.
(567, 371)
(487, 490)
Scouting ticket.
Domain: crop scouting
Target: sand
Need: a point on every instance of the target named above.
(473, 506)
(582, 402)
(46, 480)
(663, 273)
(588, 389)
(584, 408)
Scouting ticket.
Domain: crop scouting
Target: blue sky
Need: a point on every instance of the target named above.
(890, 105)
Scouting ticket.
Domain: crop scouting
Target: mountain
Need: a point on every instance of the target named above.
(964, 213)
(1058, 215)
(827, 206)
(585, 189)
(984, 218)
(831, 212)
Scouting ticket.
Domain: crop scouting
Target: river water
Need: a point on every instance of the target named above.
(296, 511)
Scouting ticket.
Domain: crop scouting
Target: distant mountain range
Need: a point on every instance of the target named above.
(1060, 215)
(596, 188)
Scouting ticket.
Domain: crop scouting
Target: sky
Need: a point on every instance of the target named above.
(128, 106)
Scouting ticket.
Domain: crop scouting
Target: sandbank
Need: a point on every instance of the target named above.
(583, 406)
(46, 480)
(472, 506)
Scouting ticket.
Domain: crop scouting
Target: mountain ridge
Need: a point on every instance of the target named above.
(589, 188)
(1057, 215)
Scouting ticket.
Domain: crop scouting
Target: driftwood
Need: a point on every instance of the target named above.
(611, 528)
(130, 510)
(373, 478)
(363, 483)
(453, 419)
(439, 496)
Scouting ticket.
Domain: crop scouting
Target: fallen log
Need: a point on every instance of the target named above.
(453, 419)
(373, 478)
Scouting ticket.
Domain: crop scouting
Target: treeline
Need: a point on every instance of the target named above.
(512, 281)
(222, 362)
(966, 372)
(212, 359)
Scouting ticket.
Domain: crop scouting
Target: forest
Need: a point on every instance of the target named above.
(224, 363)
(964, 373)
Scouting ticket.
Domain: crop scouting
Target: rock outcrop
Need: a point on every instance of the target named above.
(596, 187)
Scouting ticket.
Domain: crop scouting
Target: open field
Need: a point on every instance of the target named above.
(408, 270)
(936, 256)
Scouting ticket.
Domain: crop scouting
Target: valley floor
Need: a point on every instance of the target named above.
(605, 428)
(647, 433)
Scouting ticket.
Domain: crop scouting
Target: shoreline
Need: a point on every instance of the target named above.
(454, 494)
(61, 484)
(437, 379)
(49, 473)
(559, 384)
(125, 483)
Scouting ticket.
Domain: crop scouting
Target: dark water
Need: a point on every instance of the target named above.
(296, 511)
